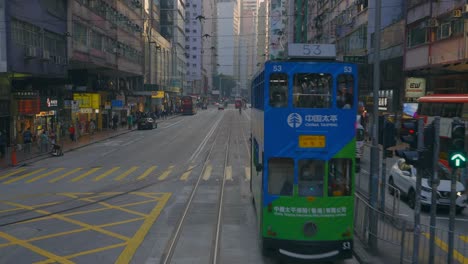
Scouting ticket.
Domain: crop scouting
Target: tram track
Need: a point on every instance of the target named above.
(193, 207)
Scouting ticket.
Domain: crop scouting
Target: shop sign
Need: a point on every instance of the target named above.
(75, 106)
(117, 103)
(51, 102)
(86, 110)
(415, 87)
(25, 94)
(87, 100)
(46, 113)
(157, 94)
(29, 106)
(383, 103)
(107, 105)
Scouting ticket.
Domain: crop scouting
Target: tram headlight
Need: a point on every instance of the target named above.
(310, 229)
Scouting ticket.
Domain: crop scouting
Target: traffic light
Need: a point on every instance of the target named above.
(457, 153)
(410, 130)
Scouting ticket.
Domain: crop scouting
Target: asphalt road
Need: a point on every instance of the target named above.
(151, 196)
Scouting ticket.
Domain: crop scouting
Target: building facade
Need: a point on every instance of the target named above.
(247, 46)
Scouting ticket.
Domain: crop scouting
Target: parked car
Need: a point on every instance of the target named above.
(403, 177)
(147, 123)
(220, 106)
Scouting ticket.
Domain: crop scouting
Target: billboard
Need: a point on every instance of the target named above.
(415, 87)
(278, 27)
(3, 53)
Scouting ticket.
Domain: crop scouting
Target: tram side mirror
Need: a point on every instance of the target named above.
(259, 167)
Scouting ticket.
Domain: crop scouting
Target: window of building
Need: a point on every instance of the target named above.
(96, 40)
(194, 39)
(80, 33)
(194, 65)
(312, 90)
(194, 48)
(417, 36)
(194, 56)
(278, 90)
(444, 30)
(26, 34)
(54, 43)
(194, 31)
(311, 177)
(339, 177)
(280, 176)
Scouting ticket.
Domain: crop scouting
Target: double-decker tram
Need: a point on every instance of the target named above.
(303, 132)
(189, 105)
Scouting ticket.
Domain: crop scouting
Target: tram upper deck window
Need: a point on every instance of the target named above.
(280, 176)
(344, 94)
(312, 90)
(278, 90)
(339, 177)
(311, 175)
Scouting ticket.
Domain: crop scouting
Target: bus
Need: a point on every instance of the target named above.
(303, 146)
(447, 106)
(189, 105)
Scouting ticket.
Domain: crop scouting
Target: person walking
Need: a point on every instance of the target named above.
(92, 127)
(27, 140)
(71, 132)
(44, 141)
(115, 121)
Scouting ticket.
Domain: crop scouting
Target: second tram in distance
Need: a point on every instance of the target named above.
(303, 158)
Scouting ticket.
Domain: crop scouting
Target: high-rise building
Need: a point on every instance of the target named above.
(228, 37)
(209, 44)
(247, 45)
(194, 20)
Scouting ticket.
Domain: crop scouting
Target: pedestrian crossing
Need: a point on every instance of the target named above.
(117, 173)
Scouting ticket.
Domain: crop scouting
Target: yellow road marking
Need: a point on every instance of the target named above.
(207, 173)
(247, 173)
(125, 174)
(87, 252)
(229, 173)
(464, 238)
(64, 175)
(105, 174)
(110, 206)
(186, 174)
(69, 220)
(91, 171)
(442, 245)
(137, 239)
(122, 222)
(51, 256)
(146, 173)
(44, 175)
(24, 176)
(166, 173)
(12, 173)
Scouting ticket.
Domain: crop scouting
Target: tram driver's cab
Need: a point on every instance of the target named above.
(311, 177)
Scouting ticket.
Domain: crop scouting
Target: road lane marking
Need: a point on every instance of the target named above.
(207, 173)
(64, 175)
(442, 245)
(134, 243)
(24, 176)
(166, 173)
(146, 173)
(35, 249)
(229, 173)
(91, 171)
(186, 174)
(247, 173)
(44, 175)
(125, 174)
(464, 238)
(105, 174)
(82, 253)
(12, 173)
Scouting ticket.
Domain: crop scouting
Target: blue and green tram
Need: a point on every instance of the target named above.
(303, 132)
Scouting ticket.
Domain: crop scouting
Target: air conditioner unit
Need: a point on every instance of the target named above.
(30, 52)
(45, 55)
(432, 22)
(456, 13)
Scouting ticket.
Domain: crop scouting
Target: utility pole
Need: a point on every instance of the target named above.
(434, 184)
(375, 153)
(417, 195)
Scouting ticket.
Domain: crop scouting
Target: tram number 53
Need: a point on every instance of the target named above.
(348, 69)
(346, 245)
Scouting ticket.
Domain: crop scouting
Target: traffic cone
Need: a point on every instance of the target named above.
(14, 162)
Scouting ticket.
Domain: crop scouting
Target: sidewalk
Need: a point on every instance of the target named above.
(67, 145)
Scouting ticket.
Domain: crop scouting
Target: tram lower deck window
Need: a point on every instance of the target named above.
(280, 176)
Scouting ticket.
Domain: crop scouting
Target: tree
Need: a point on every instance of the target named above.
(224, 83)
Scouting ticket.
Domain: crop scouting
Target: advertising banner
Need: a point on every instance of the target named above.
(88, 100)
(415, 87)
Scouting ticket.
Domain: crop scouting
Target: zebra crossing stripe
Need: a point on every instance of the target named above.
(229, 173)
(91, 171)
(207, 173)
(12, 173)
(146, 173)
(64, 175)
(166, 173)
(105, 174)
(186, 174)
(247, 173)
(24, 176)
(125, 174)
(44, 175)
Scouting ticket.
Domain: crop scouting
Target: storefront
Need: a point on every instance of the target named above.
(88, 109)
(27, 107)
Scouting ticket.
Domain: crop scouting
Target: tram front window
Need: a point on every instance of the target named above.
(311, 175)
(280, 176)
(339, 177)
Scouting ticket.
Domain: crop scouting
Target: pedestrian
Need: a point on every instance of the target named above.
(115, 121)
(27, 140)
(130, 121)
(44, 141)
(71, 131)
(92, 126)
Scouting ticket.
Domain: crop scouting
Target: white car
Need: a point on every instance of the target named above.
(403, 177)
